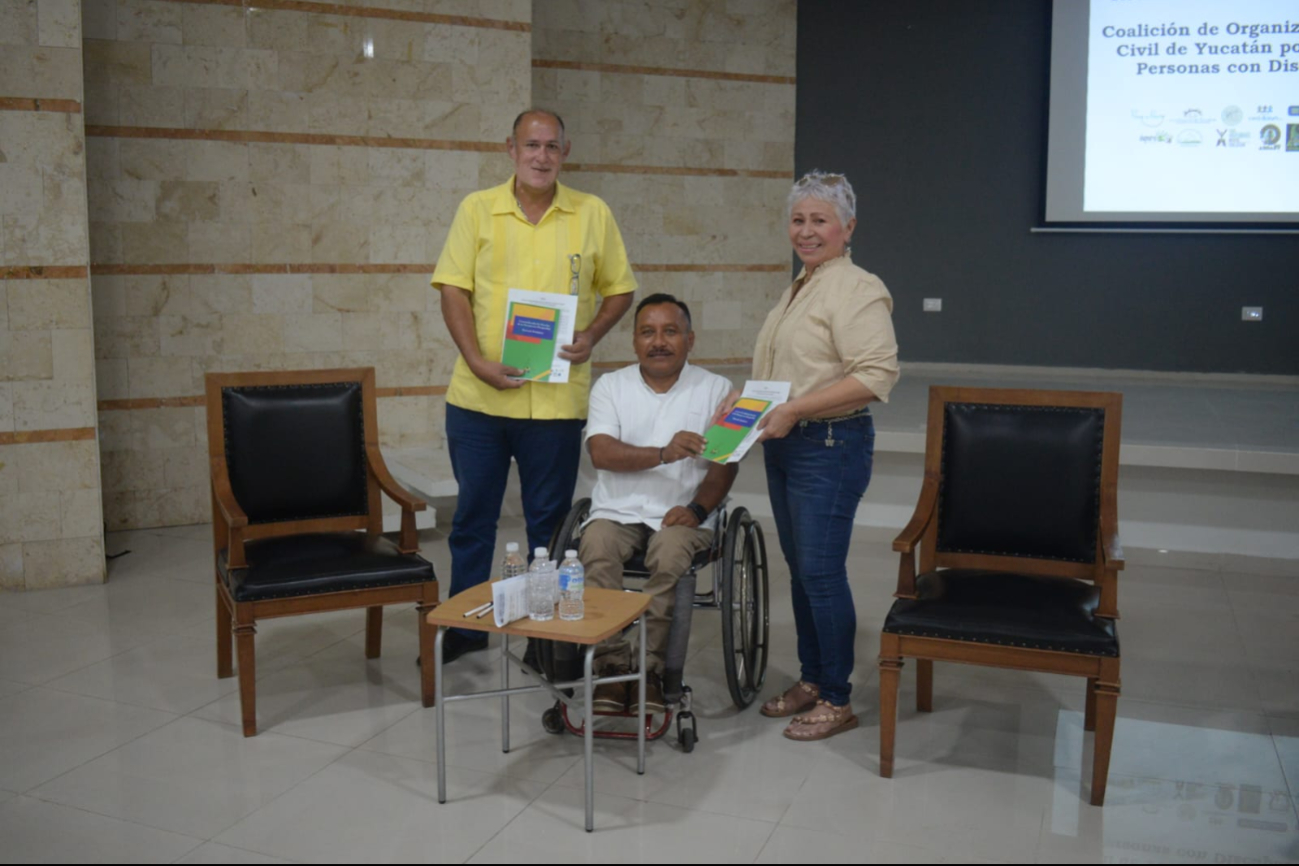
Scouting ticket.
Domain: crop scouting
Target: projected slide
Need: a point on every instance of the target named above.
(1192, 106)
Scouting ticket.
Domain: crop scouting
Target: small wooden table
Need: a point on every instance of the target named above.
(608, 611)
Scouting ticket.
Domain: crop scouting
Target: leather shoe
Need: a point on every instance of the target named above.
(653, 695)
(454, 645)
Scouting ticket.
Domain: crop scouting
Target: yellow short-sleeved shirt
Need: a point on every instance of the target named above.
(492, 248)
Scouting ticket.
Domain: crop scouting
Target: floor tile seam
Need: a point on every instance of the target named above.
(770, 833)
(1240, 637)
(349, 746)
(545, 790)
(175, 718)
(139, 706)
(650, 799)
(284, 793)
(76, 808)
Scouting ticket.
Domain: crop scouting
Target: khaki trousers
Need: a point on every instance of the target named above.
(606, 545)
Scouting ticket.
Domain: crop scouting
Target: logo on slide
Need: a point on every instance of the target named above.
(1232, 115)
(1231, 138)
(1150, 118)
(1160, 137)
(1189, 138)
(1294, 111)
(1270, 135)
(1292, 137)
(1193, 115)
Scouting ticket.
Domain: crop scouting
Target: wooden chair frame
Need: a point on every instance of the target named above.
(236, 621)
(1102, 672)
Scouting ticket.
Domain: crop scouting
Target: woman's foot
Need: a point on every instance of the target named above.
(796, 698)
(824, 720)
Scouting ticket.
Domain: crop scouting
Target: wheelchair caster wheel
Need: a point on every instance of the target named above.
(552, 721)
(687, 740)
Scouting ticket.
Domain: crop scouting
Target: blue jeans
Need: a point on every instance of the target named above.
(816, 477)
(481, 446)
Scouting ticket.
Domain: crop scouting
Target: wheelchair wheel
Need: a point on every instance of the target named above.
(745, 618)
(563, 536)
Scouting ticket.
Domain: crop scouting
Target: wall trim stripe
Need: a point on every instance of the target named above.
(369, 12)
(677, 170)
(725, 269)
(26, 103)
(43, 272)
(28, 437)
(253, 136)
(401, 391)
(114, 270)
(124, 270)
(582, 66)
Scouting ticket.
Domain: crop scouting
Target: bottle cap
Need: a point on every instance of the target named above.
(512, 547)
(541, 553)
(570, 554)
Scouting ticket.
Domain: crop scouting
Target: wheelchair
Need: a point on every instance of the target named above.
(737, 560)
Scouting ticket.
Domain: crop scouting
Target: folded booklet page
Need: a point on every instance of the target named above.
(536, 325)
(510, 600)
(730, 439)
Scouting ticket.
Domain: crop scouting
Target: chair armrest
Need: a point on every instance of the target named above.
(910, 536)
(389, 485)
(1111, 546)
(224, 496)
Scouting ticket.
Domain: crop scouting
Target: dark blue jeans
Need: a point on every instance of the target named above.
(816, 477)
(481, 446)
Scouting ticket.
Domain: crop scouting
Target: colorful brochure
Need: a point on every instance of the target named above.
(536, 325)
(730, 439)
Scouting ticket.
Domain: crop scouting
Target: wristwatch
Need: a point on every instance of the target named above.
(700, 513)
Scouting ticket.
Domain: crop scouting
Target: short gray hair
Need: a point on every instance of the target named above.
(825, 186)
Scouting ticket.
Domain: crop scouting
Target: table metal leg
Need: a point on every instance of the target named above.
(589, 731)
(640, 715)
(505, 699)
(441, 714)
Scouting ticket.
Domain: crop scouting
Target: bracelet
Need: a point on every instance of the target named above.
(700, 513)
(661, 460)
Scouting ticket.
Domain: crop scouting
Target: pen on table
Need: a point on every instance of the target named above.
(485, 611)
(477, 610)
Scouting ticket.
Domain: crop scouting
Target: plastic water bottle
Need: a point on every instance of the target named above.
(513, 564)
(572, 583)
(541, 604)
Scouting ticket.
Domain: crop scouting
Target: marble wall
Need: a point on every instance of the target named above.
(51, 530)
(270, 185)
(681, 114)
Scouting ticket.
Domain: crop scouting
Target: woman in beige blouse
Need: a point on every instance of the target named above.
(830, 337)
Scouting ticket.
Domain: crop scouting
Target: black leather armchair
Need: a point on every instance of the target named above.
(296, 518)
(1017, 526)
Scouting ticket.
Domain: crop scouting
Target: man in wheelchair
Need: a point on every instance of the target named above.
(654, 493)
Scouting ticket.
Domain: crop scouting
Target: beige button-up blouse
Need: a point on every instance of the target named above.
(840, 324)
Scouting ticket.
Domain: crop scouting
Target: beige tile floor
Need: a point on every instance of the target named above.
(118, 743)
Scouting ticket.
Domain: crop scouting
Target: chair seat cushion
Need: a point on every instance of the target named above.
(997, 607)
(298, 565)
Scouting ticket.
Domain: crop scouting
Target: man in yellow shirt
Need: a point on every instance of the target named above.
(528, 233)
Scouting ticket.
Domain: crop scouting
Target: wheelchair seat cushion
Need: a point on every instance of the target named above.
(300, 565)
(636, 567)
(1009, 609)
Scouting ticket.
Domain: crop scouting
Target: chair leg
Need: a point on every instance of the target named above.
(224, 637)
(1089, 715)
(890, 673)
(924, 686)
(244, 632)
(427, 633)
(373, 631)
(1107, 701)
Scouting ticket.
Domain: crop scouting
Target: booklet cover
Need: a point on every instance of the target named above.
(730, 439)
(536, 325)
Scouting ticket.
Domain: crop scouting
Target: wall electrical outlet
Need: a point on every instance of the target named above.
(935, 305)
(1251, 314)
